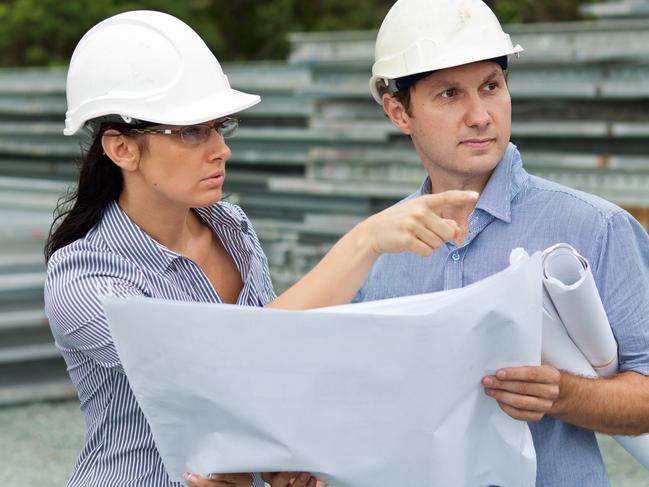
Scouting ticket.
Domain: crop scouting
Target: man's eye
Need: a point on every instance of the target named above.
(491, 86)
(450, 93)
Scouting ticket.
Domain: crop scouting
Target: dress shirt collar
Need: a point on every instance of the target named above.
(128, 239)
(507, 180)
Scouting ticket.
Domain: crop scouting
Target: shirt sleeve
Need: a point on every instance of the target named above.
(75, 287)
(621, 273)
(360, 294)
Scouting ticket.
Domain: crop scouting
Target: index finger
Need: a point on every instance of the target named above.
(232, 478)
(456, 206)
(452, 198)
(538, 374)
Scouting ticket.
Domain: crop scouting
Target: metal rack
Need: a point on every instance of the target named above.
(317, 155)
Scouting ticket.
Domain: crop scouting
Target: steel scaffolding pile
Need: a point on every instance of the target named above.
(317, 155)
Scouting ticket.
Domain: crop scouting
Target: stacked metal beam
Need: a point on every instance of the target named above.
(317, 155)
(629, 9)
(580, 99)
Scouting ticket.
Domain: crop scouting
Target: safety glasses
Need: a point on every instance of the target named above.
(199, 133)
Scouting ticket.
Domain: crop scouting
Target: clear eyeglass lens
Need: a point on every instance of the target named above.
(228, 127)
(195, 134)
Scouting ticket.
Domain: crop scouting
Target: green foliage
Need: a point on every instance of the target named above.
(44, 32)
(536, 10)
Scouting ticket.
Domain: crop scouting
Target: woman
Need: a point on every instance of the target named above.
(147, 220)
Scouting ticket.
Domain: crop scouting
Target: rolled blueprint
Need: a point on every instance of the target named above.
(558, 347)
(571, 287)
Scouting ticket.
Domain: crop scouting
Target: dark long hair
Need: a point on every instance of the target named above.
(100, 182)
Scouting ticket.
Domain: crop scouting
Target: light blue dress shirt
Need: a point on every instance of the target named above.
(519, 210)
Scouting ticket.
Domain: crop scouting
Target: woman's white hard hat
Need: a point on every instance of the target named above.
(419, 36)
(149, 66)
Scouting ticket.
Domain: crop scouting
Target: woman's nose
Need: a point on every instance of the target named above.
(219, 149)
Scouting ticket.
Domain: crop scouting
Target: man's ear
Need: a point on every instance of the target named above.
(122, 150)
(397, 113)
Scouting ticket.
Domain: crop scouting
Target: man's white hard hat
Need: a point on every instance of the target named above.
(148, 66)
(419, 36)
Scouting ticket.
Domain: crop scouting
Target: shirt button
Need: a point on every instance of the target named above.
(455, 256)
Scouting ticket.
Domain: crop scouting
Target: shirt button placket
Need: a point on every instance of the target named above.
(453, 270)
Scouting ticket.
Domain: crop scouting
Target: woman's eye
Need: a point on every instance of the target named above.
(192, 131)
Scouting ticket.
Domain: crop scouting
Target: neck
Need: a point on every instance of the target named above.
(441, 182)
(173, 226)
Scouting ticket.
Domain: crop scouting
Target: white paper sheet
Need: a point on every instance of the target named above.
(359, 398)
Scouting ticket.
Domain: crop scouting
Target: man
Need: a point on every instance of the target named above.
(440, 75)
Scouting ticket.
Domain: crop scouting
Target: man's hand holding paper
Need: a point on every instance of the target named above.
(525, 393)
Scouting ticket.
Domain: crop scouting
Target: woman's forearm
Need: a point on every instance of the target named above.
(414, 226)
(335, 279)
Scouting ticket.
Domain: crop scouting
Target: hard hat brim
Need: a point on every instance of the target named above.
(217, 105)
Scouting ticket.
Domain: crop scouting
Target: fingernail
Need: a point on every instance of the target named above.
(487, 381)
(305, 476)
(188, 476)
(475, 194)
(501, 374)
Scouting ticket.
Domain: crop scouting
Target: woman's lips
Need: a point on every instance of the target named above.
(216, 180)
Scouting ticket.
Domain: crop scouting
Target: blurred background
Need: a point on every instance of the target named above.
(310, 161)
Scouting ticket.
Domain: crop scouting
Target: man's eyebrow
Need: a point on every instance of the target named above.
(494, 74)
(448, 83)
(445, 83)
(433, 89)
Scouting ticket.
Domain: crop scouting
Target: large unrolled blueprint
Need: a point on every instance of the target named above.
(577, 336)
(359, 398)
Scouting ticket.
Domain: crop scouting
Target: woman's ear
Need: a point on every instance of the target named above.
(122, 150)
(394, 109)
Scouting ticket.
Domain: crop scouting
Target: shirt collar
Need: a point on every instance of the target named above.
(507, 180)
(126, 238)
(123, 236)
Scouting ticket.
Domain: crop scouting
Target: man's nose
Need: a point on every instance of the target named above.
(477, 114)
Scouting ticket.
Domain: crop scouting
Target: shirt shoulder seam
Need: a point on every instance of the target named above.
(607, 216)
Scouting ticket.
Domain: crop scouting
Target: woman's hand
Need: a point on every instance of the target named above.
(420, 225)
(219, 480)
(292, 479)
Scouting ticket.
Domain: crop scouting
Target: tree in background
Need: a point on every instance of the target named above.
(44, 32)
(536, 10)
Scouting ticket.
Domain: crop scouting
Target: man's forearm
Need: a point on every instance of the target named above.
(617, 406)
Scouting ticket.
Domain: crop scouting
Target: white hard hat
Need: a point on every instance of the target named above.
(419, 36)
(147, 66)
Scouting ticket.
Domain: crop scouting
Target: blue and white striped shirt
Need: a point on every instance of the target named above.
(116, 257)
(519, 210)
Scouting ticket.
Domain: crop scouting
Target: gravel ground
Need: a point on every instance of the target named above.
(39, 443)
